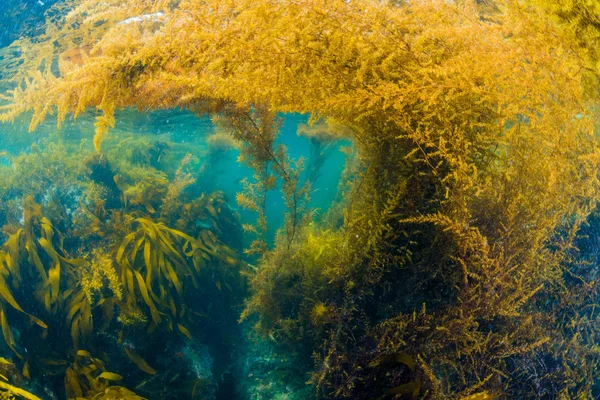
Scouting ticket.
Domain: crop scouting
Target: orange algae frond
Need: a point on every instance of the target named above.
(324, 132)
(479, 396)
(88, 378)
(101, 273)
(132, 316)
(182, 180)
(221, 141)
(320, 314)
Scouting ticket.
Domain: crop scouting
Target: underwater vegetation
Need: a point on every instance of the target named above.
(459, 259)
(110, 272)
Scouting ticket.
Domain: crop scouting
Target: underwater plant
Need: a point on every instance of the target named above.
(221, 147)
(474, 129)
(151, 264)
(63, 277)
(56, 179)
(87, 378)
(11, 392)
(257, 131)
(322, 137)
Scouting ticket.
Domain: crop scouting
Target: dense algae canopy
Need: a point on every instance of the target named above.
(460, 257)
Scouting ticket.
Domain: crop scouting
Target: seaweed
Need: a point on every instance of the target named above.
(113, 274)
(87, 378)
(474, 165)
(151, 264)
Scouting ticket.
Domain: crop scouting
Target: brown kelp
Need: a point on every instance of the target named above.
(106, 273)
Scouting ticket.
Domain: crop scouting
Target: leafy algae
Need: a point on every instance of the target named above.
(458, 239)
